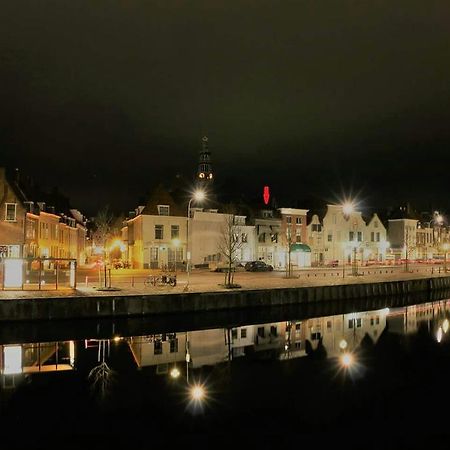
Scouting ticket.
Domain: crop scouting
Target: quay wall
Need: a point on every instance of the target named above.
(117, 306)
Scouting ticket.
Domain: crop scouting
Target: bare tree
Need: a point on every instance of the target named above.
(230, 241)
(102, 234)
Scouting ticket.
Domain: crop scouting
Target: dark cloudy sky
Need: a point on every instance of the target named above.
(315, 97)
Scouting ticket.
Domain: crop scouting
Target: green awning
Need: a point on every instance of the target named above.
(300, 248)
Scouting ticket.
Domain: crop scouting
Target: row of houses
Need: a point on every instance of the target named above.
(30, 228)
(161, 234)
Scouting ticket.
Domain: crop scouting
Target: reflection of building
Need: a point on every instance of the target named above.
(206, 347)
(17, 360)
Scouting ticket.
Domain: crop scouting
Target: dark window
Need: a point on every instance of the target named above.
(261, 332)
(159, 231)
(174, 231)
(173, 345)
(273, 330)
(262, 237)
(243, 333)
(157, 347)
(234, 333)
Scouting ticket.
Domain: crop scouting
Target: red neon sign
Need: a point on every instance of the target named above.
(266, 195)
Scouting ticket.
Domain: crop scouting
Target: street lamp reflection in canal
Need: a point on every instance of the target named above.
(347, 360)
(439, 334)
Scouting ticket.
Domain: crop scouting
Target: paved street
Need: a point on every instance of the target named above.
(130, 281)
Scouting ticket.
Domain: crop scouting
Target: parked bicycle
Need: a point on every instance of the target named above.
(161, 280)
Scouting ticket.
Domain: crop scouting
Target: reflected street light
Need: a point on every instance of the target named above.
(198, 196)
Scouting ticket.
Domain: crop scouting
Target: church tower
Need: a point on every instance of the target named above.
(204, 172)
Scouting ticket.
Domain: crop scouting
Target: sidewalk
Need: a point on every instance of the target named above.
(207, 282)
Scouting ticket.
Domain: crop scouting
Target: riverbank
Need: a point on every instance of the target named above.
(92, 304)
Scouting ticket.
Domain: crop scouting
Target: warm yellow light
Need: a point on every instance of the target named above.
(197, 393)
(439, 334)
(439, 219)
(175, 373)
(176, 242)
(445, 325)
(446, 246)
(117, 339)
(117, 243)
(348, 208)
(343, 344)
(347, 359)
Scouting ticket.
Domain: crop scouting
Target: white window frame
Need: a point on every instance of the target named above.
(163, 207)
(6, 212)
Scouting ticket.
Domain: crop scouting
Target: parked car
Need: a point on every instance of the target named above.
(258, 266)
(223, 267)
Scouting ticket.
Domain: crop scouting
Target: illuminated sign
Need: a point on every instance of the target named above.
(266, 195)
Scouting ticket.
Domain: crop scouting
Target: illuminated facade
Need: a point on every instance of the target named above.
(343, 237)
(12, 218)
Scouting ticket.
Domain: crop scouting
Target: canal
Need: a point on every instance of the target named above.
(355, 379)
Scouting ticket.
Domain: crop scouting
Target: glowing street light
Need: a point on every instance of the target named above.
(347, 360)
(197, 393)
(348, 208)
(198, 196)
(175, 373)
(343, 344)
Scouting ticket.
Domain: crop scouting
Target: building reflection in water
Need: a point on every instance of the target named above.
(182, 353)
(19, 360)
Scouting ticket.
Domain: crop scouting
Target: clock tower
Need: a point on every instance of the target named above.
(204, 172)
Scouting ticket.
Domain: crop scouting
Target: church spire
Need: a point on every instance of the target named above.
(204, 172)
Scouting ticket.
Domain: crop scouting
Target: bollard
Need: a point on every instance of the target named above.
(132, 281)
(87, 282)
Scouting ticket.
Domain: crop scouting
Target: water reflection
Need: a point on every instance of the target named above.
(179, 354)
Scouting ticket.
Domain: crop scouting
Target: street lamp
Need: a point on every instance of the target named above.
(198, 196)
(348, 208)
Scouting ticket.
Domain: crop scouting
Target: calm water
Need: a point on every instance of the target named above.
(269, 385)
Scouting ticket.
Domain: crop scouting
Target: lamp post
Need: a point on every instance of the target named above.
(198, 196)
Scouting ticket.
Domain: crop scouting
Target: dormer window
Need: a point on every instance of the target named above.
(163, 210)
(11, 212)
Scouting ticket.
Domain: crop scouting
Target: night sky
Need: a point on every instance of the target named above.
(316, 98)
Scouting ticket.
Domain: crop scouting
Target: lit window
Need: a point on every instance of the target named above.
(11, 212)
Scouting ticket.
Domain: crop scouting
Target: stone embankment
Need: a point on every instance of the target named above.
(99, 306)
